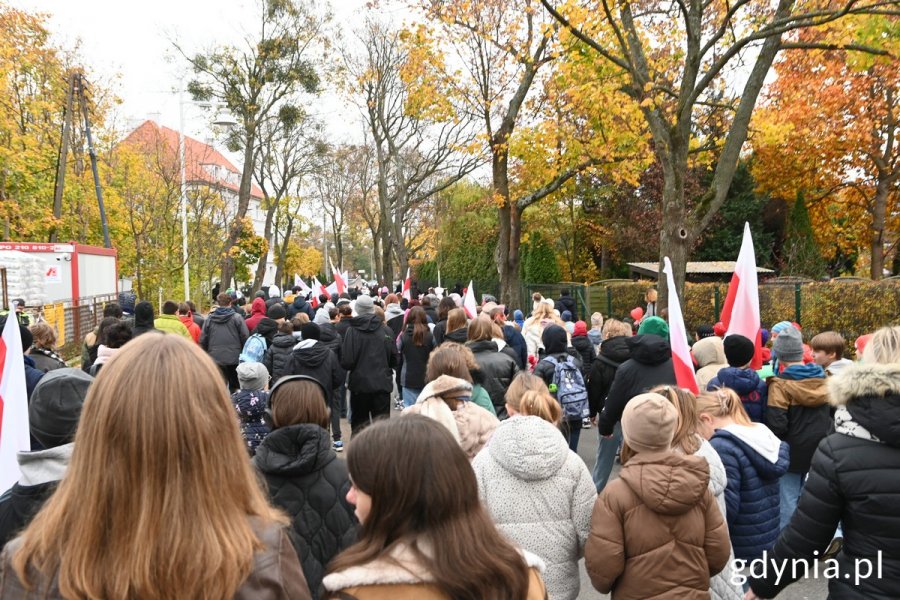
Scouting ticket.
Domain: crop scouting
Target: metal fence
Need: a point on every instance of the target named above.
(73, 320)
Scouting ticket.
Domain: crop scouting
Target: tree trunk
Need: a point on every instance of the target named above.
(510, 217)
(378, 275)
(674, 236)
(264, 258)
(234, 231)
(879, 216)
(282, 254)
(387, 260)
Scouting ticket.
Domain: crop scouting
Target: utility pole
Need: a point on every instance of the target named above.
(61, 160)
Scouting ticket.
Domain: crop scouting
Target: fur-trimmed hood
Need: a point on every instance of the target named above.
(861, 379)
(399, 566)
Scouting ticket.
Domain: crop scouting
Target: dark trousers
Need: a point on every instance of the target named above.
(229, 373)
(337, 402)
(572, 432)
(366, 408)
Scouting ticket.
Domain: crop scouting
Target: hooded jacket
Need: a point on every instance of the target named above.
(754, 459)
(650, 365)
(516, 342)
(257, 313)
(171, 324)
(613, 353)
(143, 319)
(747, 384)
(369, 353)
(460, 336)
(658, 517)
(300, 305)
(305, 479)
(797, 411)
(223, 335)
(278, 356)
(540, 494)
(585, 349)
(251, 408)
(313, 358)
(398, 575)
(393, 318)
(709, 354)
(499, 369)
(41, 471)
(267, 328)
(192, 326)
(853, 480)
(275, 571)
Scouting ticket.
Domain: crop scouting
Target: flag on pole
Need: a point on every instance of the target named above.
(469, 304)
(406, 285)
(305, 289)
(14, 431)
(681, 352)
(740, 313)
(318, 288)
(339, 280)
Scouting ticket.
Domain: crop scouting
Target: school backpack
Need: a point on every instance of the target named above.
(254, 349)
(568, 387)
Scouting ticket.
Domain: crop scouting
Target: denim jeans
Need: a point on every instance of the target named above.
(571, 430)
(410, 396)
(789, 488)
(606, 457)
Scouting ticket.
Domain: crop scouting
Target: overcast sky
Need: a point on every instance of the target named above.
(130, 45)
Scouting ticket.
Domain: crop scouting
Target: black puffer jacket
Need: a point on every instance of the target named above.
(852, 480)
(650, 365)
(498, 368)
(369, 353)
(586, 351)
(613, 353)
(305, 479)
(267, 328)
(278, 356)
(313, 358)
(460, 336)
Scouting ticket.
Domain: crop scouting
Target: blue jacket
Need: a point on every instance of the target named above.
(753, 391)
(751, 495)
(32, 375)
(516, 341)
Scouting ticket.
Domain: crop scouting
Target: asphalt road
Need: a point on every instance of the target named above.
(808, 589)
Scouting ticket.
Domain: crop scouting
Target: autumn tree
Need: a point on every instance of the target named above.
(257, 80)
(829, 128)
(682, 61)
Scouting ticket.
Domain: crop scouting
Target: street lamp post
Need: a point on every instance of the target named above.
(184, 202)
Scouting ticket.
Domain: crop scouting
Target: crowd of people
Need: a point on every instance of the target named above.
(204, 460)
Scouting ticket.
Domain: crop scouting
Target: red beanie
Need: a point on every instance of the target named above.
(580, 329)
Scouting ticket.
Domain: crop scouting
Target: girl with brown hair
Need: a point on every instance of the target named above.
(43, 348)
(456, 326)
(535, 488)
(304, 476)
(498, 365)
(159, 500)
(415, 345)
(424, 533)
(458, 361)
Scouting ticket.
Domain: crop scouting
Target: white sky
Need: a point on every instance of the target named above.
(129, 44)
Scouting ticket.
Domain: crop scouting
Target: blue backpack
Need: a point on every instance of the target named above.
(254, 349)
(568, 388)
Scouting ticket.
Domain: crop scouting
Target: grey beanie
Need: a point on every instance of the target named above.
(365, 306)
(788, 346)
(252, 375)
(56, 406)
(322, 317)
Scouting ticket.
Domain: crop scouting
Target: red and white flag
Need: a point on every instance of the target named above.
(301, 284)
(318, 288)
(406, 285)
(469, 304)
(339, 281)
(740, 314)
(14, 431)
(681, 352)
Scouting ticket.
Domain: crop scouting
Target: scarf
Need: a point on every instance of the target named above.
(844, 423)
(46, 352)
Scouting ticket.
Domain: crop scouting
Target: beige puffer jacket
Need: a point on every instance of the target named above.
(710, 356)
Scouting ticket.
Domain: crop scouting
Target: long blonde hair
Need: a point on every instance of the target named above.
(157, 499)
(724, 403)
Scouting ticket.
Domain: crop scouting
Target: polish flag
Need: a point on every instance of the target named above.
(681, 352)
(305, 289)
(339, 280)
(469, 304)
(406, 285)
(14, 429)
(740, 313)
(318, 288)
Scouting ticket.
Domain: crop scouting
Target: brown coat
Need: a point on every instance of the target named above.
(276, 573)
(385, 579)
(657, 532)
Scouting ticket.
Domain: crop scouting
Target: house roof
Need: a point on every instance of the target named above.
(713, 267)
(203, 163)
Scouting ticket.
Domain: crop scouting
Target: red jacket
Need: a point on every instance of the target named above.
(193, 328)
(257, 313)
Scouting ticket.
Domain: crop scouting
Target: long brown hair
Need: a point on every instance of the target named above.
(157, 498)
(419, 320)
(456, 319)
(450, 359)
(481, 329)
(430, 497)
